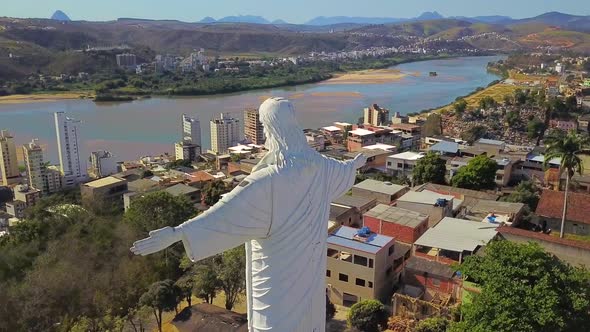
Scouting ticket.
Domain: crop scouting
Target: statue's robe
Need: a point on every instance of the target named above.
(281, 213)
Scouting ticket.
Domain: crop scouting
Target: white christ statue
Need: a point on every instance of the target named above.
(280, 212)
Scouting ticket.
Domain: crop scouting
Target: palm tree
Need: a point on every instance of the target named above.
(566, 146)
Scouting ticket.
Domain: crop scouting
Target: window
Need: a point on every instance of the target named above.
(390, 250)
(332, 252)
(400, 165)
(360, 282)
(328, 273)
(343, 277)
(370, 262)
(370, 284)
(360, 260)
(389, 163)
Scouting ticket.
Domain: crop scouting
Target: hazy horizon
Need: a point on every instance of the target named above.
(292, 12)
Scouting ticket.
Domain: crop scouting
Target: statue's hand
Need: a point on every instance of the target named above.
(159, 239)
(360, 160)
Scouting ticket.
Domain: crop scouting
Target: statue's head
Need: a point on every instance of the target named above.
(285, 140)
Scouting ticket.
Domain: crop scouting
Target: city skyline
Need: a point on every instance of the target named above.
(291, 12)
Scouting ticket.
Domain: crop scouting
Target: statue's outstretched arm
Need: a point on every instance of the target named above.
(342, 174)
(241, 215)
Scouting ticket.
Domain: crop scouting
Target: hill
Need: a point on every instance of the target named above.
(557, 19)
(60, 16)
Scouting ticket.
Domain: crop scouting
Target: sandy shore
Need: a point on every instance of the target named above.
(38, 98)
(378, 76)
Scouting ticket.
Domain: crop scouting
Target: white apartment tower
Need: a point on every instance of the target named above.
(8, 161)
(225, 133)
(191, 130)
(68, 147)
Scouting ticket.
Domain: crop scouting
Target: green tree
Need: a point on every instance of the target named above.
(185, 286)
(430, 168)
(206, 282)
(473, 134)
(537, 292)
(460, 106)
(526, 192)
(161, 296)
(157, 210)
(433, 324)
(433, 125)
(212, 191)
(566, 146)
(487, 102)
(536, 129)
(480, 173)
(513, 119)
(232, 275)
(368, 316)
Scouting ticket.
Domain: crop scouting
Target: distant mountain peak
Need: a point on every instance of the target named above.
(279, 21)
(208, 19)
(430, 16)
(60, 16)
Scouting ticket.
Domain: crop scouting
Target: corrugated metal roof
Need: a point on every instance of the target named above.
(457, 235)
(445, 147)
(344, 237)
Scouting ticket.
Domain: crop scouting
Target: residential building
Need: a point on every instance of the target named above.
(383, 192)
(446, 148)
(402, 164)
(225, 132)
(105, 190)
(359, 266)
(403, 225)
(253, 129)
(359, 138)
(407, 128)
(565, 125)
(27, 194)
(360, 203)
(68, 146)
(550, 211)
(315, 140)
(191, 130)
(53, 179)
(8, 160)
(182, 190)
(187, 151)
(34, 165)
(345, 216)
(451, 240)
(126, 60)
(376, 155)
(584, 123)
(344, 126)
(493, 212)
(436, 206)
(485, 146)
(504, 171)
(102, 163)
(376, 116)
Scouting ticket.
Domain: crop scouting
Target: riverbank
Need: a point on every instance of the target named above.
(367, 71)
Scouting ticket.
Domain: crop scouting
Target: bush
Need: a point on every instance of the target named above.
(368, 316)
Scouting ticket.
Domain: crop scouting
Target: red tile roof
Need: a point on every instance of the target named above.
(551, 206)
(543, 237)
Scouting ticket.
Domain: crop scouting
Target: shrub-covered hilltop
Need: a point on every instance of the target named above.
(67, 268)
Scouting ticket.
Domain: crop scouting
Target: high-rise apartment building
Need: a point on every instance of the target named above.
(34, 165)
(376, 115)
(225, 133)
(102, 163)
(8, 161)
(40, 176)
(126, 60)
(71, 166)
(191, 130)
(253, 129)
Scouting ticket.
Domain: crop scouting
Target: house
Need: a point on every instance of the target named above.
(436, 206)
(402, 164)
(376, 155)
(404, 225)
(565, 125)
(504, 171)
(345, 215)
(485, 146)
(446, 148)
(360, 203)
(360, 265)
(180, 189)
(494, 212)
(359, 138)
(383, 192)
(451, 240)
(584, 122)
(466, 195)
(550, 209)
(106, 190)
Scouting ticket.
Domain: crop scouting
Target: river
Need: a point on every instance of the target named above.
(151, 126)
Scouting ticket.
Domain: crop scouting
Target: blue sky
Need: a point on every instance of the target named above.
(292, 11)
